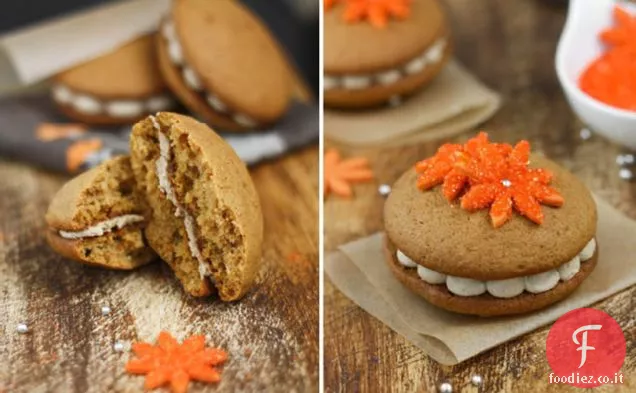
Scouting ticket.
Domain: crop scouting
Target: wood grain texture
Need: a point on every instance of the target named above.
(510, 46)
(271, 335)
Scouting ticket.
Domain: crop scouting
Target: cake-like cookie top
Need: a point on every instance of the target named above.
(352, 48)
(99, 194)
(447, 237)
(234, 55)
(206, 219)
(127, 72)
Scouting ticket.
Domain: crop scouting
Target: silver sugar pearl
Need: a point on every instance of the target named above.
(445, 388)
(118, 346)
(625, 159)
(620, 160)
(22, 328)
(384, 190)
(106, 310)
(585, 134)
(625, 174)
(476, 380)
(506, 183)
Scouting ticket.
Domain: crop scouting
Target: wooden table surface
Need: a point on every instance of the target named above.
(271, 335)
(510, 46)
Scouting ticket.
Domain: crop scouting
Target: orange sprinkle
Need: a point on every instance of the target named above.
(77, 153)
(623, 33)
(339, 174)
(611, 78)
(377, 12)
(494, 175)
(295, 257)
(176, 364)
(47, 132)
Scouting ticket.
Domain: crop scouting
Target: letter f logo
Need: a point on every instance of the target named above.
(583, 344)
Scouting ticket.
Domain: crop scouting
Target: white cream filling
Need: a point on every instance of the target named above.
(103, 227)
(404, 260)
(542, 282)
(569, 269)
(588, 250)
(431, 276)
(159, 103)
(430, 56)
(330, 82)
(389, 77)
(461, 286)
(216, 103)
(354, 82)
(508, 288)
(86, 104)
(62, 94)
(124, 109)
(192, 80)
(165, 187)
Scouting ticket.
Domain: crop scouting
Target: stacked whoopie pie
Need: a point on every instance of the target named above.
(119, 87)
(404, 45)
(183, 194)
(224, 64)
(465, 229)
(216, 57)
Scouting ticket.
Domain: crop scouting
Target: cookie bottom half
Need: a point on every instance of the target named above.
(484, 305)
(378, 95)
(123, 249)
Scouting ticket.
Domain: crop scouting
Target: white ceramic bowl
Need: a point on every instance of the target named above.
(578, 46)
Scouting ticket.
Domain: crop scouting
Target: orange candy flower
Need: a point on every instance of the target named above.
(174, 363)
(377, 12)
(338, 173)
(494, 175)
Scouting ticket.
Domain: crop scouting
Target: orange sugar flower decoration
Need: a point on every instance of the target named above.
(440, 169)
(377, 12)
(494, 175)
(174, 363)
(339, 173)
(47, 132)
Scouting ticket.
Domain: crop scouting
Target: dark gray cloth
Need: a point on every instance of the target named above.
(20, 117)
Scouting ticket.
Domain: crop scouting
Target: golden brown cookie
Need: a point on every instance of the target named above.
(119, 87)
(464, 256)
(224, 64)
(97, 218)
(366, 65)
(206, 218)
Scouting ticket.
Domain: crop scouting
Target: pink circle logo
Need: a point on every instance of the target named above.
(586, 348)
